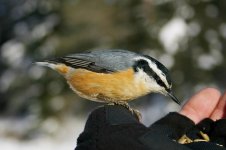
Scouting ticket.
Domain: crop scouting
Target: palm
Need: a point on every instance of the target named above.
(208, 103)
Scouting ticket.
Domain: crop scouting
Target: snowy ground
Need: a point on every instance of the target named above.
(64, 139)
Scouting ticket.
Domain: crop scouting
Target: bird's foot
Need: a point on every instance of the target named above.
(126, 105)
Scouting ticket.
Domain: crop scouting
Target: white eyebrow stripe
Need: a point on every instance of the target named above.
(155, 69)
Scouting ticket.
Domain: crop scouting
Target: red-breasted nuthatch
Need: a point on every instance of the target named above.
(113, 76)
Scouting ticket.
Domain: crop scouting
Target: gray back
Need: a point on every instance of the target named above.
(112, 59)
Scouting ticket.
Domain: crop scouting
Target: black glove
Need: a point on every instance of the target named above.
(115, 128)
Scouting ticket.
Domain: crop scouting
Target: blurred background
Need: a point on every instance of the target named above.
(37, 108)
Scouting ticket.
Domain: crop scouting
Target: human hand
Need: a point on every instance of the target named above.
(207, 103)
(115, 127)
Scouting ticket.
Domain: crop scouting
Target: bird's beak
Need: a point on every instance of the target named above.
(173, 97)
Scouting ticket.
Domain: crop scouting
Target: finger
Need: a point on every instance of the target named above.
(201, 105)
(220, 110)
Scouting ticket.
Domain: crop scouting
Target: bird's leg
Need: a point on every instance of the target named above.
(126, 105)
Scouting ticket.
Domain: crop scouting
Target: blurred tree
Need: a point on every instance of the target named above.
(25, 26)
(187, 36)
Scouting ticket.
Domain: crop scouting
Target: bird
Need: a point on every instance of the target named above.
(113, 76)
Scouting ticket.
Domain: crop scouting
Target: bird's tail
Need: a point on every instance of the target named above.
(46, 64)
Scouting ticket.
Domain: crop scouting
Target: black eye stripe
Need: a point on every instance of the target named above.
(160, 82)
(142, 64)
(161, 67)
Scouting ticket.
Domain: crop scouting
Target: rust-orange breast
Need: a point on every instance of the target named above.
(106, 87)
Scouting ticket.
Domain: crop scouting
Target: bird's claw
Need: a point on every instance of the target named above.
(126, 105)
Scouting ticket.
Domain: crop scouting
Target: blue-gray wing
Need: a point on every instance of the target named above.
(104, 61)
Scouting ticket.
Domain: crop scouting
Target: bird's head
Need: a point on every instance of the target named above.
(155, 75)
